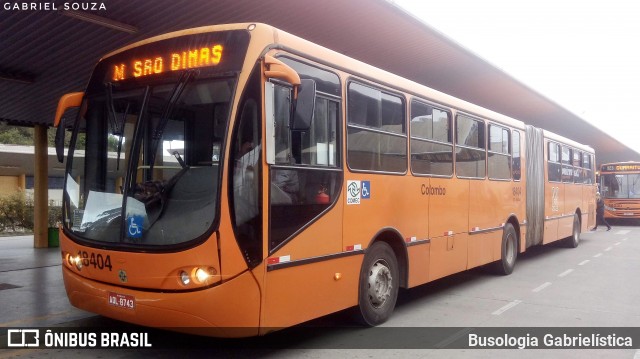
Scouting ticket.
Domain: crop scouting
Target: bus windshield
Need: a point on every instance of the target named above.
(145, 163)
(146, 150)
(621, 186)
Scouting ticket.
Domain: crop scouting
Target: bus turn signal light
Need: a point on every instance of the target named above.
(184, 278)
(74, 261)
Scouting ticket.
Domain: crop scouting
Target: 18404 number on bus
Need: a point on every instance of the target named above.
(95, 260)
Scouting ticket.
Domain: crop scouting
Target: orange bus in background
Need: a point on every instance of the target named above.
(240, 179)
(620, 189)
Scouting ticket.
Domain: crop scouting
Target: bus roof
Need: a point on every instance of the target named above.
(367, 71)
(349, 65)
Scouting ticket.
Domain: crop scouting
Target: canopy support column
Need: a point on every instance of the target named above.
(40, 188)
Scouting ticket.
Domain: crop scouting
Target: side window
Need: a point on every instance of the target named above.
(318, 145)
(587, 165)
(376, 133)
(306, 179)
(567, 169)
(554, 167)
(470, 147)
(499, 158)
(516, 166)
(431, 147)
(578, 171)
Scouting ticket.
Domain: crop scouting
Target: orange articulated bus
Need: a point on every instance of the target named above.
(620, 189)
(239, 179)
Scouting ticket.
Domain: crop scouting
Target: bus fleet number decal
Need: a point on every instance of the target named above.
(517, 194)
(554, 199)
(95, 260)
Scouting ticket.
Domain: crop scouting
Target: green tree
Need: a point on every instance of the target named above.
(16, 212)
(16, 135)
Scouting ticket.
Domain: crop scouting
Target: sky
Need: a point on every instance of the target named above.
(583, 55)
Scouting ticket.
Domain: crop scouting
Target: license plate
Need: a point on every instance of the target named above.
(122, 300)
(628, 214)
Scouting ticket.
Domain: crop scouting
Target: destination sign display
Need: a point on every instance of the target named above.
(211, 52)
(187, 58)
(621, 167)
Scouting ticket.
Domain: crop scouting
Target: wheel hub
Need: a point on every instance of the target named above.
(380, 283)
(510, 250)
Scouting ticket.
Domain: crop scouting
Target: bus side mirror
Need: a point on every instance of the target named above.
(60, 141)
(276, 69)
(70, 100)
(304, 106)
(304, 92)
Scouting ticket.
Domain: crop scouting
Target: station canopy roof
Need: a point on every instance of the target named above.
(47, 53)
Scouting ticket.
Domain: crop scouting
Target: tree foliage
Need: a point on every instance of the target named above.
(18, 135)
(16, 213)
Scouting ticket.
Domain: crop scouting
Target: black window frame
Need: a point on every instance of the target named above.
(587, 164)
(554, 163)
(353, 125)
(578, 171)
(481, 141)
(491, 151)
(516, 134)
(413, 137)
(567, 164)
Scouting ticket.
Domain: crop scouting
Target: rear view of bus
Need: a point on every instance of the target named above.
(147, 235)
(620, 189)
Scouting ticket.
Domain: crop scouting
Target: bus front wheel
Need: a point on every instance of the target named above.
(509, 251)
(378, 288)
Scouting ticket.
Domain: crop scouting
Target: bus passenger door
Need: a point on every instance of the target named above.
(302, 193)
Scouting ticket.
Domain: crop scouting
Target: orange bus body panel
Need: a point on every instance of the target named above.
(294, 295)
(230, 309)
(419, 258)
(161, 271)
(448, 226)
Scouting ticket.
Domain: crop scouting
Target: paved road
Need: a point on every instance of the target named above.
(594, 285)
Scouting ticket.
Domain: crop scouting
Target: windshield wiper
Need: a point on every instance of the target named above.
(117, 128)
(183, 81)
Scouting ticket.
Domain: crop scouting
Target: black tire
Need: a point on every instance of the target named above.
(378, 285)
(574, 240)
(509, 251)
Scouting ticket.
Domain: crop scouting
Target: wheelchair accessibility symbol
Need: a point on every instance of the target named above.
(134, 226)
(366, 190)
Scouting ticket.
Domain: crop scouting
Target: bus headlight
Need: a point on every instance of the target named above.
(73, 261)
(77, 261)
(201, 275)
(196, 275)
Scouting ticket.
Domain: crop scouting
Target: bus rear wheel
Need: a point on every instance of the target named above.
(378, 287)
(509, 251)
(574, 240)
